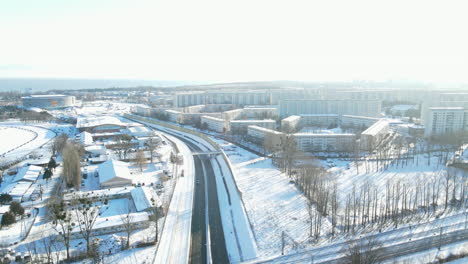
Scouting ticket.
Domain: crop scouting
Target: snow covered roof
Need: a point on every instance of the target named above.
(140, 131)
(29, 173)
(44, 96)
(96, 149)
(267, 130)
(376, 128)
(113, 169)
(213, 118)
(99, 193)
(86, 138)
(17, 190)
(291, 118)
(93, 121)
(142, 198)
(116, 221)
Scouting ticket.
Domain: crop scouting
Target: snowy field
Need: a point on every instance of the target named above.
(20, 139)
(272, 203)
(13, 137)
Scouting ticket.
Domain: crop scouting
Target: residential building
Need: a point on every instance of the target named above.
(240, 126)
(258, 135)
(308, 142)
(341, 107)
(446, 120)
(113, 173)
(290, 123)
(373, 136)
(358, 121)
(216, 124)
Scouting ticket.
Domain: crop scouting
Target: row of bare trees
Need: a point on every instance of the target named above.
(367, 204)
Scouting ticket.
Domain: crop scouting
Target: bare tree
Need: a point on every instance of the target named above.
(64, 225)
(363, 251)
(156, 207)
(71, 166)
(48, 245)
(125, 144)
(152, 144)
(127, 223)
(140, 159)
(87, 211)
(59, 143)
(289, 153)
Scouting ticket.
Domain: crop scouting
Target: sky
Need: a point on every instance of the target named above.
(238, 40)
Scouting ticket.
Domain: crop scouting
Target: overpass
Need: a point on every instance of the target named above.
(206, 153)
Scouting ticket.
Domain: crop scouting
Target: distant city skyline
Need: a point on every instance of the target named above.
(217, 41)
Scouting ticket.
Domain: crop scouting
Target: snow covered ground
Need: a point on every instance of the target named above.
(14, 137)
(20, 139)
(272, 203)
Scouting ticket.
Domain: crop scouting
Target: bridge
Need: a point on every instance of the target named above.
(206, 153)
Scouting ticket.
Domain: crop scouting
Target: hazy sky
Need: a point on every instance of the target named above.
(235, 40)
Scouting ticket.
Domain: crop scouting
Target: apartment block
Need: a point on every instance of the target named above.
(340, 107)
(308, 142)
(216, 124)
(446, 120)
(240, 126)
(374, 135)
(259, 134)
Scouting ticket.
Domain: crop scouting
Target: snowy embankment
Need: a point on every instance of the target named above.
(240, 241)
(273, 204)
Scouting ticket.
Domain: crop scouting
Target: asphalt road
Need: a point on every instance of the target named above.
(199, 253)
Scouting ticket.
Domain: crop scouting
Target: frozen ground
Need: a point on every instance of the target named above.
(13, 137)
(22, 139)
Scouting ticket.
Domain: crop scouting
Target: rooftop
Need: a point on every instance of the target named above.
(113, 169)
(29, 173)
(265, 130)
(213, 118)
(92, 121)
(44, 96)
(376, 127)
(142, 198)
(291, 118)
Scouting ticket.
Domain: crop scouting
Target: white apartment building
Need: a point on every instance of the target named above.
(290, 123)
(259, 134)
(319, 120)
(372, 136)
(215, 124)
(308, 142)
(232, 114)
(446, 120)
(358, 121)
(340, 107)
(240, 126)
(240, 98)
(259, 112)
